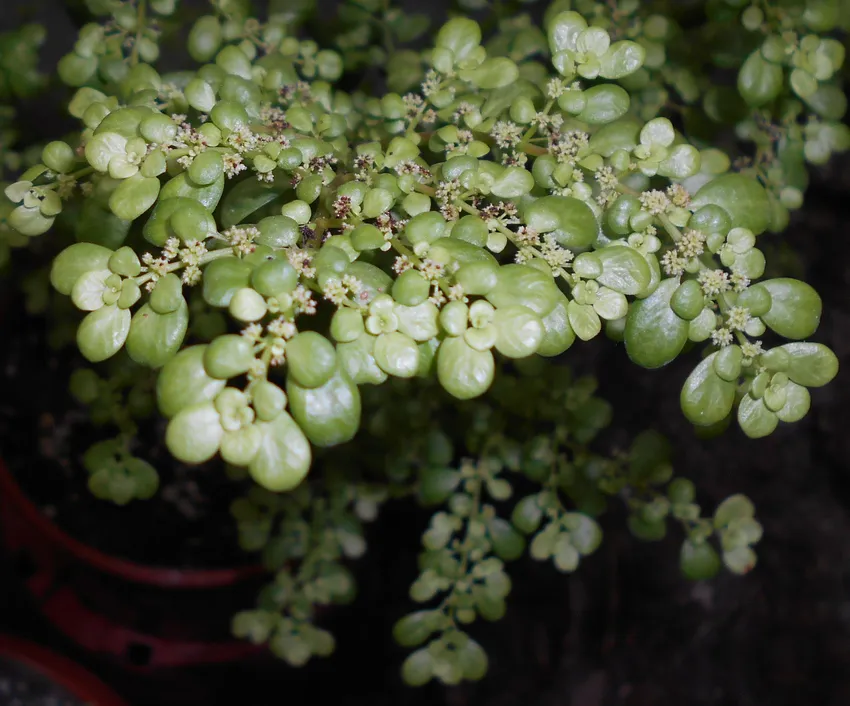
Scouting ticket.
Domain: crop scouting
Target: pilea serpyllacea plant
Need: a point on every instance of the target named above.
(355, 295)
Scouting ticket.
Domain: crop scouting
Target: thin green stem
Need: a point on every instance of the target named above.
(708, 261)
(402, 249)
(552, 484)
(507, 232)
(523, 146)
(671, 229)
(668, 225)
(324, 224)
(724, 305)
(84, 171)
(449, 604)
(498, 10)
(208, 256)
(265, 359)
(384, 29)
(140, 24)
(511, 236)
(414, 121)
(533, 127)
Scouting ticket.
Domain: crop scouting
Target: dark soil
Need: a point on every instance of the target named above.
(43, 436)
(21, 685)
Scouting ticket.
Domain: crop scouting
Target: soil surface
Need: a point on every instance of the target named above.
(44, 433)
(22, 686)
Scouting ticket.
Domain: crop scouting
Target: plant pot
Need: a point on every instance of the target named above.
(36, 670)
(141, 617)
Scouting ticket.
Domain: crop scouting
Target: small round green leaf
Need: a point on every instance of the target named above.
(167, 295)
(357, 359)
(759, 81)
(418, 668)
(558, 335)
(463, 371)
(181, 186)
(508, 544)
(527, 514)
(223, 278)
(413, 629)
(797, 403)
(155, 338)
(206, 168)
(519, 331)
(755, 419)
(134, 196)
(193, 435)
(102, 333)
(74, 261)
(604, 104)
(688, 300)
(184, 382)
(795, 308)
(810, 364)
(284, 456)
(310, 358)
(622, 59)
(268, 400)
(513, 183)
(584, 320)
(472, 660)
(571, 221)
(241, 446)
(329, 414)
(228, 356)
(624, 269)
(397, 354)
(418, 322)
(654, 334)
(525, 285)
(707, 398)
(742, 197)
(698, 560)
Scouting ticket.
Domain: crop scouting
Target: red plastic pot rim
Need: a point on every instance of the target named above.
(128, 570)
(98, 634)
(81, 683)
